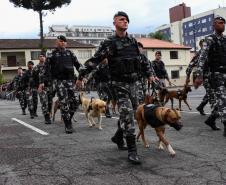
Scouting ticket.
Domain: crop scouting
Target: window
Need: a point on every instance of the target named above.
(210, 19)
(204, 29)
(173, 54)
(175, 74)
(84, 54)
(191, 33)
(190, 24)
(35, 55)
(203, 20)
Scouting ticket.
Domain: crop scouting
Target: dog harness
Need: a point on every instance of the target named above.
(150, 116)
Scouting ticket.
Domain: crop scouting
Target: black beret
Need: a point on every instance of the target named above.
(42, 54)
(121, 13)
(219, 18)
(30, 62)
(158, 52)
(140, 45)
(61, 37)
(20, 68)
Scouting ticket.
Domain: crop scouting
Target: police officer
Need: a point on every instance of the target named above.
(193, 64)
(213, 57)
(31, 85)
(102, 79)
(60, 65)
(142, 82)
(161, 73)
(122, 53)
(20, 92)
(45, 94)
(159, 68)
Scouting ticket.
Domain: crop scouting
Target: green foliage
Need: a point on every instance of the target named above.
(1, 79)
(40, 5)
(158, 35)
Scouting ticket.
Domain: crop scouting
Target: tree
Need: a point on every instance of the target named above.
(1, 79)
(40, 6)
(159, 35)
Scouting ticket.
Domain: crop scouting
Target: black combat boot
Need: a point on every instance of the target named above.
(224, 134)
(32, 115)
(118, 139)
(107, 113)
(23, 112)
(68, 127)
(211, 122)
(132, 150)
(35, 112)
(200, 108)
(47, 119)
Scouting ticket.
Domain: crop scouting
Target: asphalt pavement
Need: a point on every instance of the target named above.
(32, 153)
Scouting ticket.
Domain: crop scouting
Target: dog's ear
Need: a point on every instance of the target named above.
(95, 106)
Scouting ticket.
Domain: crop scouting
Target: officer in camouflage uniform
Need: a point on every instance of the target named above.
(193, 64)
(31, 85)
(60, 65)
(45, 94)
(102, 79)
(213, 56)
(122, 54)
(20, 92)
(142, 82)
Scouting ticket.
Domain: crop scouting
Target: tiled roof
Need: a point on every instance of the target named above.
(155, 43)
(34, 44)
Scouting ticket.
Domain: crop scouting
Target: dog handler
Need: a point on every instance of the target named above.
(60, 65)
(123, 54)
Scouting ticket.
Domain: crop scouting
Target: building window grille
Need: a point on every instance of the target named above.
(35, 55)
(175, 74)
(173, 54)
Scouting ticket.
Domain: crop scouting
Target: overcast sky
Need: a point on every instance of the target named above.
(145, 15)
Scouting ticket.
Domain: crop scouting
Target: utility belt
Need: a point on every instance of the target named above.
(64, 77)
(128, 78)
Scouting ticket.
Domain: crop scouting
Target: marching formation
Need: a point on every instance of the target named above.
(127, 81)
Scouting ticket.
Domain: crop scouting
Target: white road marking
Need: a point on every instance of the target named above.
(31, 127)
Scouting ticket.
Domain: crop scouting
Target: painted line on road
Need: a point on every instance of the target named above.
(31, 127)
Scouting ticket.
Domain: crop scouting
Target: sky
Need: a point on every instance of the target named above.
(145, 15)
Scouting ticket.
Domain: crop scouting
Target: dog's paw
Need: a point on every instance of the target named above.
(147, 146)
(90, 126)
(173, 155)
(161, 147)
(93, 124)
(100, 128)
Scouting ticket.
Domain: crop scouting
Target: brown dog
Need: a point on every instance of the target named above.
(93, 108)
(157, 117)
(180, 94)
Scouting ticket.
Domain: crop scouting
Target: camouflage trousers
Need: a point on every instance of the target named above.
(32, 99)
(46, 99)
(104, 91)
(21, 95)
(127, 101)
(219, 84)
(141, 90)
(68, 97)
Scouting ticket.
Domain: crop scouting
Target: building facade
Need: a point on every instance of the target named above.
(176, 57)
(83, 34)
(17, 52)
(189, 31)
